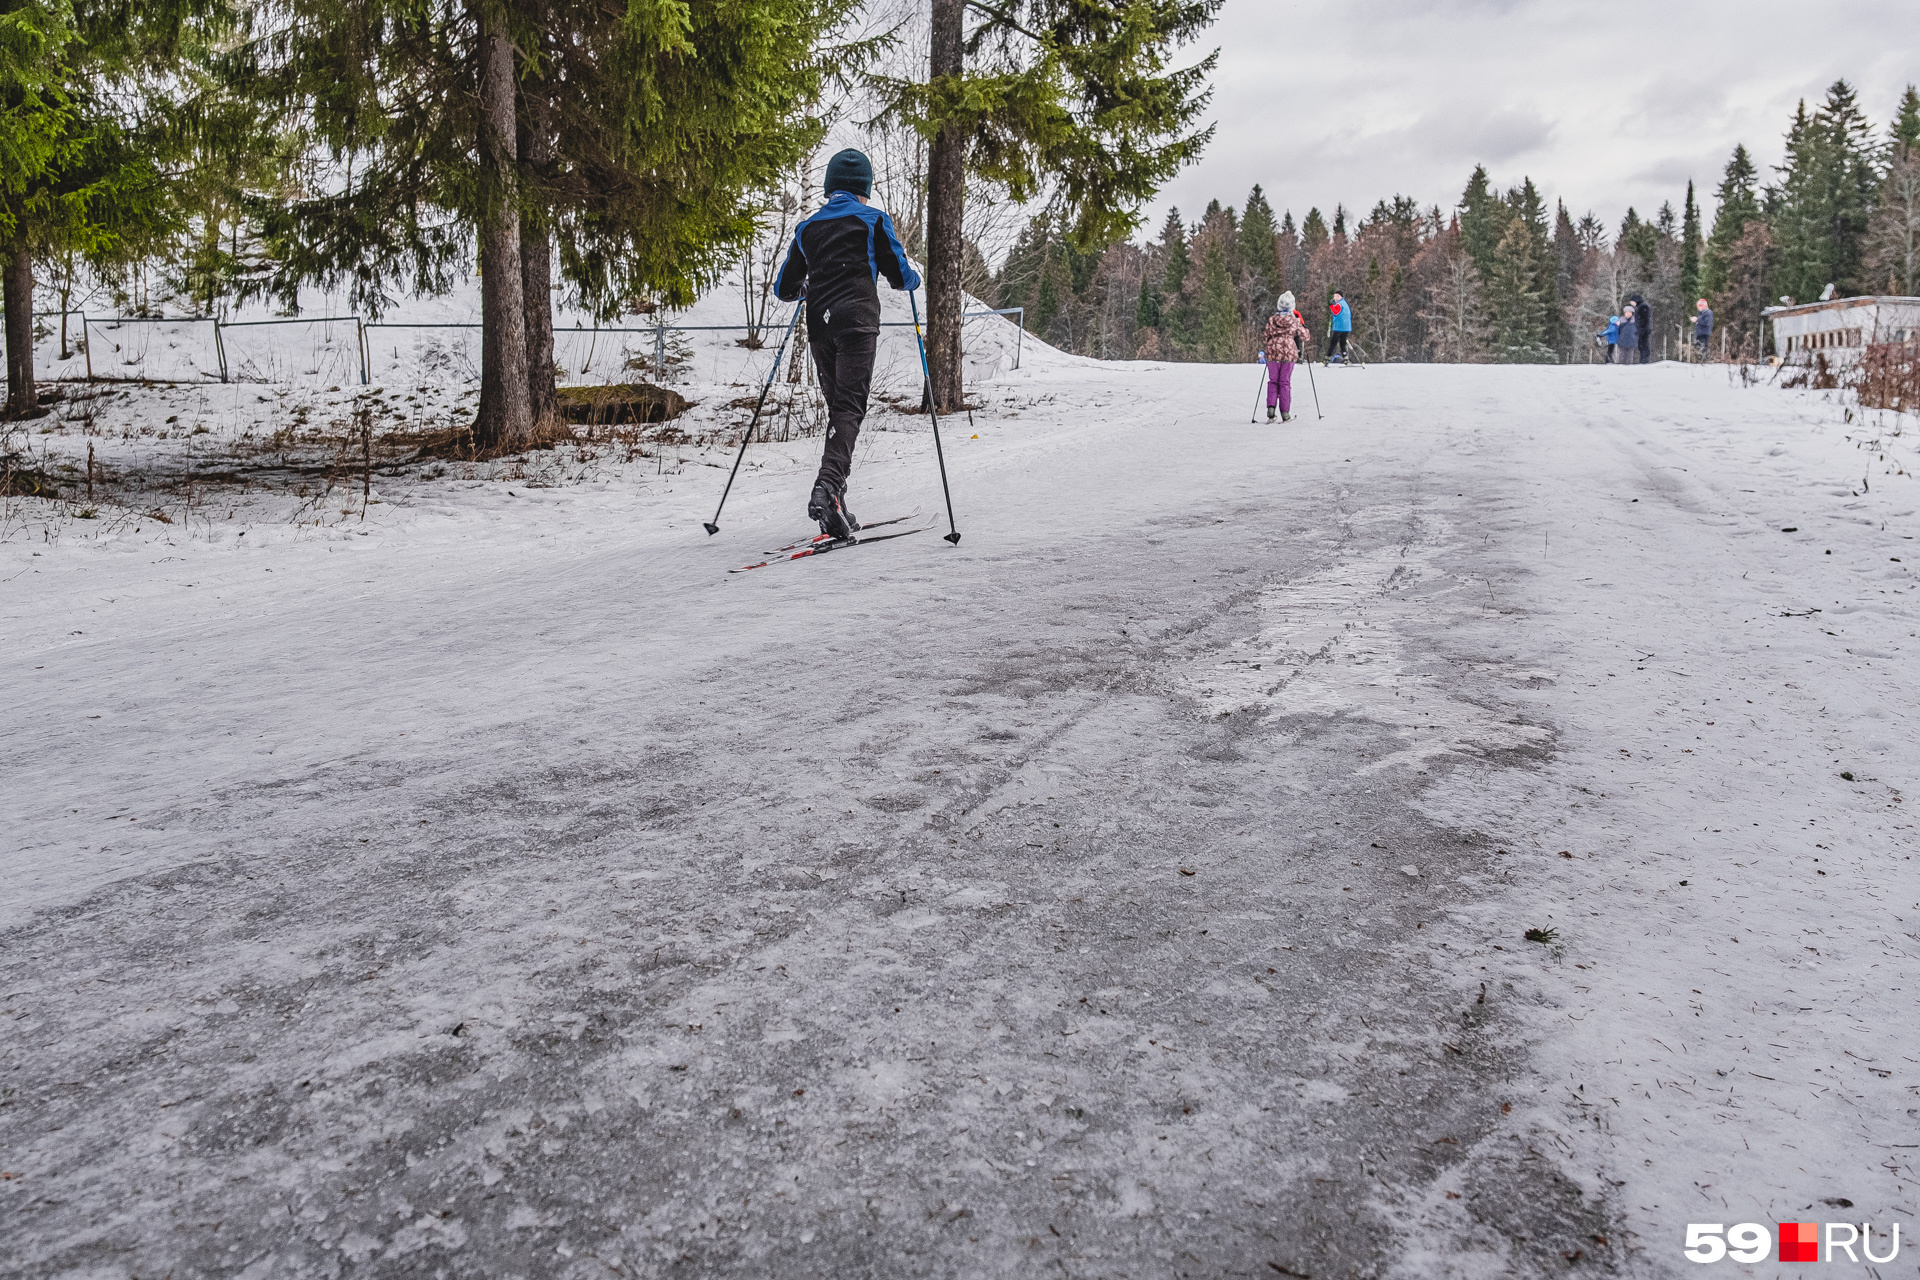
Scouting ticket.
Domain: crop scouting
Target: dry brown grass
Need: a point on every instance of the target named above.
(1888, 377)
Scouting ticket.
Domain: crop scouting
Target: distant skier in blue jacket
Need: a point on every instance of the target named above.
(1612, 336)
(837, 255)
(1340, 324)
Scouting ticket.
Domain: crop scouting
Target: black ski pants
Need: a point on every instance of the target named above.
(844, 362)
(1337, 341)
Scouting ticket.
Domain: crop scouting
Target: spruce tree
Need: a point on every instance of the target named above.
(1482, 221)
(1737, 204)
(91, 136)
(639, 136)
(1313, 232)
(1568, 258)
(1219, 311)
(1173, 252)
(1590, 232)
(1512, 295)
(1690, 250)
(1905, 131)
(1076, 100)
(1826, 196)
(1257, 245)
(1641, 239)
(1146, 315)
(1527, 205)
(1893, 236)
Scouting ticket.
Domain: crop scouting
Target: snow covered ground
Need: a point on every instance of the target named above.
(480, 880)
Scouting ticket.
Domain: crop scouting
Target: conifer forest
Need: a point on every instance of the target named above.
(1500, 275)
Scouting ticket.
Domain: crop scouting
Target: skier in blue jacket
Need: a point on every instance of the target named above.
(1612, 336)
(838, 253)
(1340, 317)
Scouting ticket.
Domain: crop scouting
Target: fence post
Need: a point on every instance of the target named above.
(360, 332)
(660, 354)
(1020, 338)
(219, 348)
(86, 345)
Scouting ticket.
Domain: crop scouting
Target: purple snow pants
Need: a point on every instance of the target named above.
(1280, 386)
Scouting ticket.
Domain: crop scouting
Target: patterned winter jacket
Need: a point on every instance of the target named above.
(1283, 336)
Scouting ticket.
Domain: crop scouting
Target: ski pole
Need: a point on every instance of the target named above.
(1316, 391)
(926, 371)
(1258, 394)
(713, 526)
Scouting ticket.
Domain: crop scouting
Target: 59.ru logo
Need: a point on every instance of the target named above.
(1798, 1242)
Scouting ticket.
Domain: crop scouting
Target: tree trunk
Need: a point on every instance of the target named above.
(504, 421)
(536, 243)
(23, 401)
(946, 208)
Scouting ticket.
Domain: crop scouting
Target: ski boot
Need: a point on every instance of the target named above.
(1270, 412)
(829, 508)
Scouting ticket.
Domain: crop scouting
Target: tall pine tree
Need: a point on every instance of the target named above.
(1079, 100)
(1893, 236)
(1482, 221)
(1257, 246)
(90, 139)
(1737, 203)
(640, 136)
(1219, 310)
(1690, 249)
(1826, 196)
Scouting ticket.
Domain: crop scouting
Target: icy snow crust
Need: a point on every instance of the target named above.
(484, 882)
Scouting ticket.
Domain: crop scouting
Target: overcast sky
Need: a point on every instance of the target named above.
(1605, 105)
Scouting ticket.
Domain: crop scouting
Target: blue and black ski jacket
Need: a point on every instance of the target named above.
(837, 255)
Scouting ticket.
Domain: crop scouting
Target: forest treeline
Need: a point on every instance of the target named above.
(1499, 276)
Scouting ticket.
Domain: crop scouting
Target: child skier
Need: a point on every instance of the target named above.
(1341, 317)
(837, 255)
(1280, 347)
(1611, 336)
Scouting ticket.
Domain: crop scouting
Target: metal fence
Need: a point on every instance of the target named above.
(364, 351)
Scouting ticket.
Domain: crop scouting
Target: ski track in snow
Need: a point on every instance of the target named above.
(498, 887)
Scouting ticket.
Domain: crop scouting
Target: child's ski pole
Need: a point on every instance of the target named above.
(713, 526)
(1258, 395)
(953, 533)
(1316, 391)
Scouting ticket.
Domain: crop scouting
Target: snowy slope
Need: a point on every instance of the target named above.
(487, 879)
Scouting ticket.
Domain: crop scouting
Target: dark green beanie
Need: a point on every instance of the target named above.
(850, 171)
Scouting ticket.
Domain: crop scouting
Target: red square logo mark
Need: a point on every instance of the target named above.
(1799, 1242)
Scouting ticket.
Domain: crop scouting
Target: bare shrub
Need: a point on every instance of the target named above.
(1888, 376)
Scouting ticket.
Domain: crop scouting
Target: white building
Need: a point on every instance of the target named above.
(1841, 327)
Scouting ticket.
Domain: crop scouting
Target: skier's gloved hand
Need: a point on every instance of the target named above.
(1263, 357)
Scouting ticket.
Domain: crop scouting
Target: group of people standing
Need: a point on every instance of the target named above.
(1629, 335)
(1286, 337)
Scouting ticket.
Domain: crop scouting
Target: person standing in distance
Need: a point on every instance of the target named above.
(1643, 327)
(1629, 335)
(1280, 347)
(1340, 324)
(837, 256)
(1702, 327)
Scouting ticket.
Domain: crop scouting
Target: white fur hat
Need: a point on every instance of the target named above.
(1285, 304)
